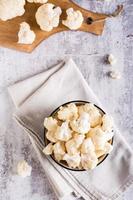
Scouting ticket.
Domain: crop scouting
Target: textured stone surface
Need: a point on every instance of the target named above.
(89, 52)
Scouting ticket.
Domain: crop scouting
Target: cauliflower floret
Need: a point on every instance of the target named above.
(115, 74)
(23, 169)
(82, 124)
(87, 146)
(107, 123)
(59, 148)
(74, 19)
(99, 137)
(48, 149)
(107, 149)
(68, 112)
(63, 132)
(58, 157)
(11, 8)
(47, 16)
(72, 160)
(37, 1)
(71, 147)
(111, 59)
(89, 160)
(50, 135)
(25, 35)
(50, 124)
(95, 116)
(78, 138)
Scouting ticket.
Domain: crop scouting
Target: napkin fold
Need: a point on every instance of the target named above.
(35, 98)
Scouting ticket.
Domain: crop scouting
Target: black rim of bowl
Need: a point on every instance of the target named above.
(55, 111)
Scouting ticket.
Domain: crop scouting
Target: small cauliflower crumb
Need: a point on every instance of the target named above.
(111, 59)
(24, 169)
(115, 74)
(25, 35)
(74, 19)
(47, 16)
(11, 8)
(37, 1)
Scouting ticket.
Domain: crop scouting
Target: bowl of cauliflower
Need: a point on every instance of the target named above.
(78, 135)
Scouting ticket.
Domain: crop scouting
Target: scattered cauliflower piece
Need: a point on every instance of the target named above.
(23, 169)
(63, 132)
(115, 74)
(68, 112)
(111, 59)
(82, 124)
(71, 147)
(37, 1)
(89, 160)
(74, 19)
(48, 150)
(25, 35)
(107, 123)
(72, 160)
(50, 124)
(87, 146)
(11, 8)
(47, 16)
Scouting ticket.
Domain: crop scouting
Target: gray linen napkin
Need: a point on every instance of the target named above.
(35, 98)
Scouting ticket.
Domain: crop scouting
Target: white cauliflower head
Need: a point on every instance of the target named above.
(23, 169)
(63, 132)
(11, 8)
(74, 19)
(37, 1)
(25, 35)
(47, 16)
(68, 112)
(82, 124)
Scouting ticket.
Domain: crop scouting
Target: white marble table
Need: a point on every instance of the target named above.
(89, 52)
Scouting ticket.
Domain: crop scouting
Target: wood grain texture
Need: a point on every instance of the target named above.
(10, 28)
(89, 52)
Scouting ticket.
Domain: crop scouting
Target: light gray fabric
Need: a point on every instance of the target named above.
(35, 98)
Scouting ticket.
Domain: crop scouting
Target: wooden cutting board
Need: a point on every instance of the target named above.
(10, 28)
